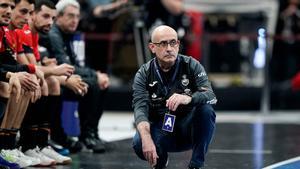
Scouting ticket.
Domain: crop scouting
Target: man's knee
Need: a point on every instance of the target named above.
(206, 111)
(53, 85)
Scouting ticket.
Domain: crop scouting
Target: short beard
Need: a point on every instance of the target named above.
(40, 30)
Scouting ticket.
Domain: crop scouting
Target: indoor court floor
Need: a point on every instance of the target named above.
(243, 140)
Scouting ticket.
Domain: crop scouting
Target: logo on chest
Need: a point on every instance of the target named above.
(185, 81)
(153, 96)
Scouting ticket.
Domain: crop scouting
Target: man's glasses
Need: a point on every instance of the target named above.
(164, 43)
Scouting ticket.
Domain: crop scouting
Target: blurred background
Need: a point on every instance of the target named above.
(249, 48)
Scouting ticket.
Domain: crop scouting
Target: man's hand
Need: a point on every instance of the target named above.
(27, 82)
(103, 80)
(37, 93)
(177, 99)
(148, 146)
(40, 75)
(14, 85)
(76, 84)
(63, 70)
(149, 150)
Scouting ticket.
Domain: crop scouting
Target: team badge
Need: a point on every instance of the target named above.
(169, 121)
(185, 81)
(187, 91)
(153, 83)
(154, 96)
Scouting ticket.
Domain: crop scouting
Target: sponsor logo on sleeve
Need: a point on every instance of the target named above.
(213, 101)
(201, 74)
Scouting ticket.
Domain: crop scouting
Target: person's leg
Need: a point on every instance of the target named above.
(12, 112)
(58, 134)
(162, 143)
(52, 104)
(11, 107)
(91, 108)
(34, 132)
(46, 111)
(203, 126)
(24, 103)
(4, 139)
(3, 103)
(43, 131)
(3, 133)
(29, 127)
(90, 111)
(29, 132)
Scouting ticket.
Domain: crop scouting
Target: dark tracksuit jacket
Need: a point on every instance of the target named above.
(149, 94)
(60, 46)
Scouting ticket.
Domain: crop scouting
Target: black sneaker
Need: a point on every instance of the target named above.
(4, 167)
(93, 143)
(162, 166)
(71, 143)
(190, 167)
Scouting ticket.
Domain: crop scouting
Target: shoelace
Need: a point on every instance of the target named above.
(19, 152)
(38, 152)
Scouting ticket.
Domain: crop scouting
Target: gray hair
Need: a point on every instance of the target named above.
(62, 4)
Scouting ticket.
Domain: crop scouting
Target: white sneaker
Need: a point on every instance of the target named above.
(34, 160)
(60, 159)
(45, 161)
(23, 162)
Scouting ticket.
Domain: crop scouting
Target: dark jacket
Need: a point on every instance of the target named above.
(150, 94)
(60, 46)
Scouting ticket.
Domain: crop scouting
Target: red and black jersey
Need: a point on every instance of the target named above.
(29, 41)
(2, 34)
(7, 62)
(13, 41)
(9, 46)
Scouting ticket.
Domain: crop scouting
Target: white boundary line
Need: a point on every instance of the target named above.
(283, 163)
(272, 118)
(239, 151)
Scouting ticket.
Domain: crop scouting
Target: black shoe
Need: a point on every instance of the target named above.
(158, 166)
(93, 143)
(70, 143)
(3, 167)
(190, 167)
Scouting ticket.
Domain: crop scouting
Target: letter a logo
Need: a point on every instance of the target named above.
(168, 124)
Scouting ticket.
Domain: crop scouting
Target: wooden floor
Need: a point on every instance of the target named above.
(242, 141)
